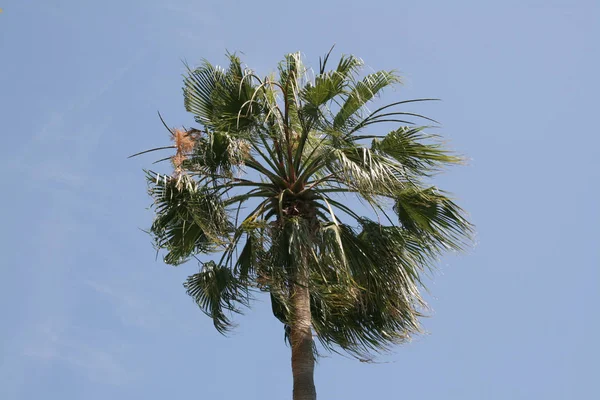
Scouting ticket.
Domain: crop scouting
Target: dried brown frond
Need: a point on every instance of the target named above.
(177, 160)
(184, 143)
(184, 140)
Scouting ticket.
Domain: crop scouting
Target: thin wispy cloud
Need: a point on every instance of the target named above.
(136, 310)
(59, 151)
(201, 20)
(57, 118)
(190, 11)
(56, 163)
(98, 363)
(130, 308)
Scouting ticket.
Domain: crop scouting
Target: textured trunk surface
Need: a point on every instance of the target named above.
(303, 362)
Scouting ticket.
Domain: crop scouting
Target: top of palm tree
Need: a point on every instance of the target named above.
(264, 183)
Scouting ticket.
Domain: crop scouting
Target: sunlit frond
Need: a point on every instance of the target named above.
(417, 152)
(362, 93)
(366, 294)
(221, 99)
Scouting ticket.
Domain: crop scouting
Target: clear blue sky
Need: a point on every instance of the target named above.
(88, 313)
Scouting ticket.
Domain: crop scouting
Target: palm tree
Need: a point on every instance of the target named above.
(264, 183)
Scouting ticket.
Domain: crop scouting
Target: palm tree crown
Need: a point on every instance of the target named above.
(264, 184)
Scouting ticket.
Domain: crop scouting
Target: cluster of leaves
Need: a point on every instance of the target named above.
(264, 186)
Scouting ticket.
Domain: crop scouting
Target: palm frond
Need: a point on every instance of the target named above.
(416, 151)
(189, 219)
(221, 100)
(218, 153)
(366, 294)
(328, 85)
(362, 93)
(217, 291)
(431, 214)
(366, 172)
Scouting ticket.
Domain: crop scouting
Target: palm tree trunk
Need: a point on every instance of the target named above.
(303, 361)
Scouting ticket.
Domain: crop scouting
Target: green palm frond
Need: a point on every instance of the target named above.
(217, 291)
(369, 298)
(361, 94)
(217, 153)
(199, 86)
(433, 216)
(189, 219)
(328, 85)
(410, 147)
(367, 172)
(220, 99)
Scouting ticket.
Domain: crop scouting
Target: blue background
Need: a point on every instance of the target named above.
(89, 313)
